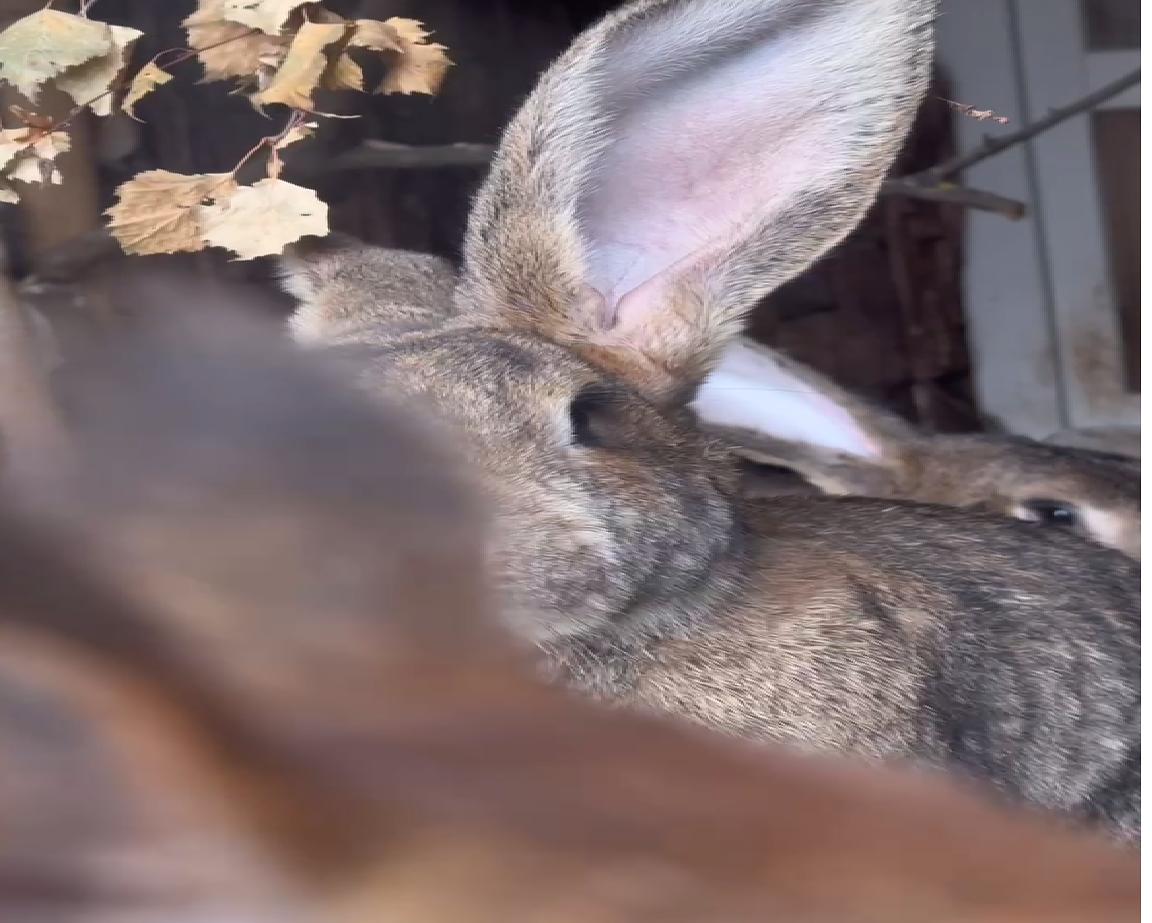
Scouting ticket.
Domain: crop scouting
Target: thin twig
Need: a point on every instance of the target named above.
(980, 115)
(270, 141)
(994, 145)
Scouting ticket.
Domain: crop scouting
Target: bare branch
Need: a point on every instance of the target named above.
(993, 146)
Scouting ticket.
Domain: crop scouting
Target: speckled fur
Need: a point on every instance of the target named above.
(885, 629)
(994, 472)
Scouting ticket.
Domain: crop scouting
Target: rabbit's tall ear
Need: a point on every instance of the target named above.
(351, 292)
(684, 158)
(776, 411)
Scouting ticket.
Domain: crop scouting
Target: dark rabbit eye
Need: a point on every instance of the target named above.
(592, 414)
(1049, 513)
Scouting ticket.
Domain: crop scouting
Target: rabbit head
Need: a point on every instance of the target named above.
(779, 412)
(681, 160)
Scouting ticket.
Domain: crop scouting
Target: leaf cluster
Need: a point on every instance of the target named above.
(274, 52)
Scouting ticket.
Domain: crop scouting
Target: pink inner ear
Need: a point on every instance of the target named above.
(665, 201)
(701, 159)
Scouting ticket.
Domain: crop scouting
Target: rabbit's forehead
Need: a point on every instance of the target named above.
(473, 368)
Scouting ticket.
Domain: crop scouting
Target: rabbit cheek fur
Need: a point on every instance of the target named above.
(610, 257)
(574, 548)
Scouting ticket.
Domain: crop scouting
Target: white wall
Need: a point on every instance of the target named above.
(1043, 327)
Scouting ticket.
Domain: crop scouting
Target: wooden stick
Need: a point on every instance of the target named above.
(994, 145)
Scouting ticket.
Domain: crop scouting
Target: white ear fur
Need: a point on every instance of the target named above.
(688, 156)
(752, 389)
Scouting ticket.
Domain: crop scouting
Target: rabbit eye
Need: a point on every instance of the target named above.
(591, 416)
(1049, 513)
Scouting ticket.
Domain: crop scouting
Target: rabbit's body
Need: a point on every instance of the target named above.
(685, 157)
(883, 628)
(871, 627)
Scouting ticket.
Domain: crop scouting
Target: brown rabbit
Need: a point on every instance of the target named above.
(681, 160)
(249, 672)
(776, 411)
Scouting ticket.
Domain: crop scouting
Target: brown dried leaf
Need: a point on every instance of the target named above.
(91, 83)
(36, 170)
(148, 79)
(262, 219)
(420, 69)
(12, 142)
(160, 212)
(229, 49)
(304, 67)
(266, 15)
(343, 74)
(408, 31)
(377, 36)
(34, 159)
(45, 44)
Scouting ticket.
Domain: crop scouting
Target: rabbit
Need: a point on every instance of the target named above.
(235, 685)
(779, 412)
(679, 161)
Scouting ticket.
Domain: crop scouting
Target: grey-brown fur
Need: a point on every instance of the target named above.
(1000, 473)
(236, 685)
(622, 547)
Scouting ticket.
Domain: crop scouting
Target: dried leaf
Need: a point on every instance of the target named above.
(45, 44)
(262, 219)
(160, 212)
(34, 170)
(34, 159)
(266, 15)
(416, 66)
(148, 79)
(420, 69)
(343, 74)
(91, 83)
(229, 49)
(48, 146)
(407, 31)
(12, 142)
(377, 36)
(300, 74)
(33, 119)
